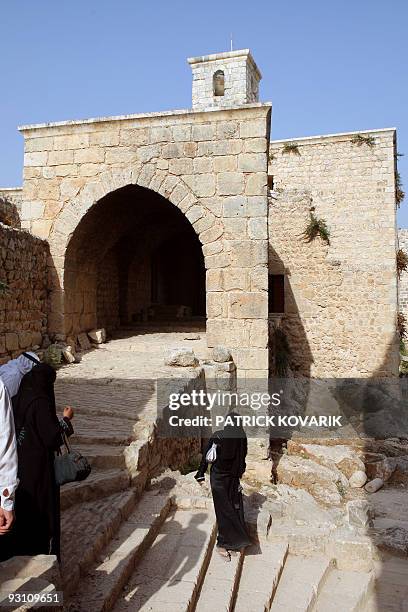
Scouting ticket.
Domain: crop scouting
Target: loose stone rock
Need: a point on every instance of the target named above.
(357, 513)
(374, 485)
(181, 357)
(69, 354)
(358, 479)
(328, 486)
(221, 354)
(83, 341)
(97, 335)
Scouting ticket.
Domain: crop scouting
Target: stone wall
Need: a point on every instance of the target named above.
(340, 299)
(211, 166)
(23, 308)
(403, 281)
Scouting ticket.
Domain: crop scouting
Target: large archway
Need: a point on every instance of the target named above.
(134, 258)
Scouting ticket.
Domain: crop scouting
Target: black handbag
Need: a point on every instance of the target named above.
(70, 466)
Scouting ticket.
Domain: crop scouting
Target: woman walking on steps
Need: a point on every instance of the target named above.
(226, 470)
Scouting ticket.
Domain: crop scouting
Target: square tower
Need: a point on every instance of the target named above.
(224, 79)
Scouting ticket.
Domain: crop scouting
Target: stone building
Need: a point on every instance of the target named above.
(196, 213)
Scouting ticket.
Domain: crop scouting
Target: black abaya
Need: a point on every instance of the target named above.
(225, 486)
(37, 508)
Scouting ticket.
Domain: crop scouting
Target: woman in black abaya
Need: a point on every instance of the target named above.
(38, 431)
(226, 471)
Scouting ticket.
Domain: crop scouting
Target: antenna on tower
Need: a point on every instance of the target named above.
(231, 40)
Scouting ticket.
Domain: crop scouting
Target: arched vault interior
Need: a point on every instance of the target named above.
(134, 257)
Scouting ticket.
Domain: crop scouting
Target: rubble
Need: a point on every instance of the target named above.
(221, 354)
(84, 342)
(358, 479)
(181, 357)
(374, 485)
(98, 336)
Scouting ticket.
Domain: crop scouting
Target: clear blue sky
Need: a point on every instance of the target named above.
(328, 65)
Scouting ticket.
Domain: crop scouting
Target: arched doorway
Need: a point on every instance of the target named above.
(133, 259)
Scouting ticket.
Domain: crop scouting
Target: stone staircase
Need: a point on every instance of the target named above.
(129, 543)
(163, 558)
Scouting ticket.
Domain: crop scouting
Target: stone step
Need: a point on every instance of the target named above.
(301, 582)
(346, 591)
(170, 575)
(86, 528)
(390, 591)
(114, 399)
(97, 412)
(109, 428)
(104, 583)
(220, 584)
(87, 436)
(103, 456)
(99, 483)
(261, 570)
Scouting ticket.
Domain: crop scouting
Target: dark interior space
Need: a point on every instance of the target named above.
(133, 259)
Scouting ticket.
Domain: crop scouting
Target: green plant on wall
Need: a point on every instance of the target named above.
(282, 353)
(401, 326)
(402, 262)
(291, 147)
(316, 227)
(399, 192)
(360, 139)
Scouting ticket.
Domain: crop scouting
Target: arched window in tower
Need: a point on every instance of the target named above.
(219, 83)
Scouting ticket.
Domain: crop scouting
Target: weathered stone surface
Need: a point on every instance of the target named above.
(328, 486)
(97, 335)
(358, 479)
(313, 178)
(69, 354)
(345, 458)
(180, 357)
(83, 342)
(24, 306)
(383, 469)
(358, 511)
(221, 354)
(374, 485)
(394, 539)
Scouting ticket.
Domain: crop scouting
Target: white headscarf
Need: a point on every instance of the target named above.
(13, 371)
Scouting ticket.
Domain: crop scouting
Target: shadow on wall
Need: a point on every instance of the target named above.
(297, 355)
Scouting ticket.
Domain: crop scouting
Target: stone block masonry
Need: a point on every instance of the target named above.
(340, 299)
(210, 165)
(24, 306)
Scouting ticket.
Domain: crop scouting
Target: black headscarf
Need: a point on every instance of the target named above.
(233, 427)
(37, 384)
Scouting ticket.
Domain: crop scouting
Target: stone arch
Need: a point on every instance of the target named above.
(171, 187)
